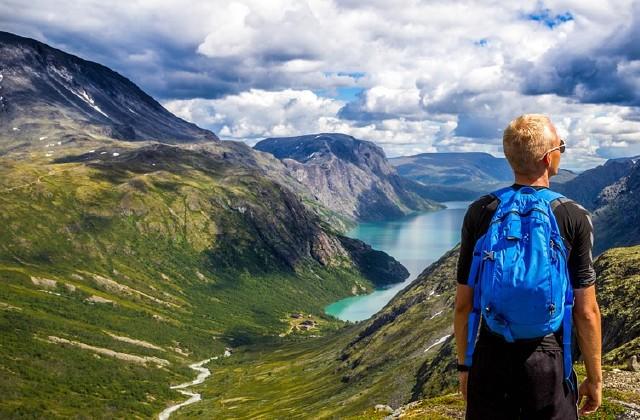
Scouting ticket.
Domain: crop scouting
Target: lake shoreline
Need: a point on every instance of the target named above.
(415, 240)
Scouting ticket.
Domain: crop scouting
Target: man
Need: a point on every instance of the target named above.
(524, 379)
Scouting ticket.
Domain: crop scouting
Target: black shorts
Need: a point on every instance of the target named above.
(519, 381)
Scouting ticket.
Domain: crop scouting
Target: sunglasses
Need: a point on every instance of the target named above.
(562, 148)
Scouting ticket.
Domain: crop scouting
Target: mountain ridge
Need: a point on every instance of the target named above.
(71, 95)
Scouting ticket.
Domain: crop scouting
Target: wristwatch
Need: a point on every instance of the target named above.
(462, 368)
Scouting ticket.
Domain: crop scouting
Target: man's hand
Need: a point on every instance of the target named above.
(463, 378)
(593, 393)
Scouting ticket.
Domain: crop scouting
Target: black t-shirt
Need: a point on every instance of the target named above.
(576, 230)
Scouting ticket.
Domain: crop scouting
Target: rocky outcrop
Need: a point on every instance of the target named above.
(375, 265)
(587, 187)
(349, 176)
(617, 219)
(47, 92)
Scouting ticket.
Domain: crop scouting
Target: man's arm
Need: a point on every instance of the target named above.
(464, 305)
(464, 296)
(586, 315)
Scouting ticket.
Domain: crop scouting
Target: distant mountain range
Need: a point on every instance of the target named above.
(350, 176)
(460, 176)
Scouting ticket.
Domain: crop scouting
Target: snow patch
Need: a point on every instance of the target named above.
(16, 129)
(438, 342)
(82, 94)
(436, 314)
(62, 72)
(116, 154)
(42, 138)
(92, 151)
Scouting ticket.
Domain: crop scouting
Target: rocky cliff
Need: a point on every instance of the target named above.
(587, 187)
(348, 175)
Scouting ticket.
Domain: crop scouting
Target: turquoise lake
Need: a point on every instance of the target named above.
(416, 241)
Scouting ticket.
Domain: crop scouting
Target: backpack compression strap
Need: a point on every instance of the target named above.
(476, 268)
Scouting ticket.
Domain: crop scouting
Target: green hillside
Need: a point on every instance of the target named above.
(118, 269)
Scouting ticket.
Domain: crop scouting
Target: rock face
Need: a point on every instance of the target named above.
(270, 230)
(45, 91)
(350, 176)
(617, 219)
(587, 187)
(375, 265)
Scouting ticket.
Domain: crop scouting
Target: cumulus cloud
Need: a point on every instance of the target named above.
(413, 76)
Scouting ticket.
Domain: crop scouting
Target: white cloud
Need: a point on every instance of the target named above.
(438, 75)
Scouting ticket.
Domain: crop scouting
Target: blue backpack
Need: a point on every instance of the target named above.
(519, 272)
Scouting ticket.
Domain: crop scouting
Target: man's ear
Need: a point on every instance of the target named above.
(546, 159)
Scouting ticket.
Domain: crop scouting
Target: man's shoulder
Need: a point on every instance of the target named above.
(478, 207)
(570, 207)
(482, 202)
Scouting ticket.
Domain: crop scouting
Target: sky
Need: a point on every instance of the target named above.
(411, 76)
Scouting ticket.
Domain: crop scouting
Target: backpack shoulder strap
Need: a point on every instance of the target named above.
(549, 194)
(503, 194)
(560, 200)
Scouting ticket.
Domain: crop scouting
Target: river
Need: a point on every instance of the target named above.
(416, 241)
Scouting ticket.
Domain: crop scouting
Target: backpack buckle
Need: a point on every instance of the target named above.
(488, 255)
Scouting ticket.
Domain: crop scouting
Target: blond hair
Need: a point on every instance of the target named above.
(525, 140)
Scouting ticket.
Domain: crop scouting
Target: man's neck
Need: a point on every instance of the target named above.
(542, 181)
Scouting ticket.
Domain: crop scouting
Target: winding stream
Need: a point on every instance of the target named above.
(203, 373)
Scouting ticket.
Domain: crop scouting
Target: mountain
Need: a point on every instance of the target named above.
(610, 191)
(617, 220)
(460, 176)
(586, 187)
(46, 93)
(350, 176)
(123, 262)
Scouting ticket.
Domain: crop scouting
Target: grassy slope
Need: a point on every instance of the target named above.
(382, 360)
(155, 234)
